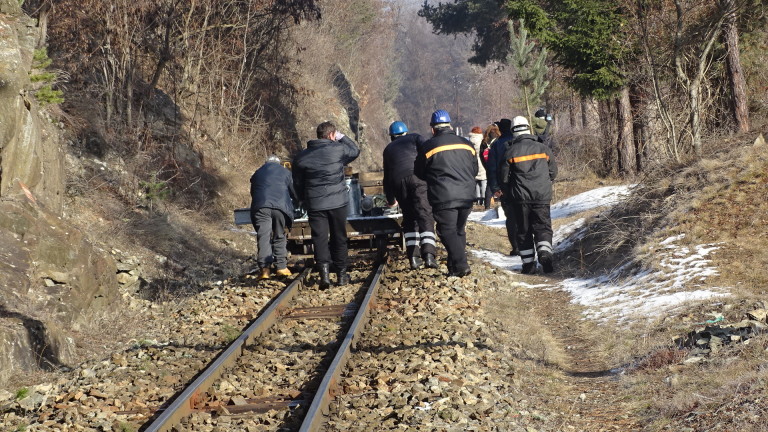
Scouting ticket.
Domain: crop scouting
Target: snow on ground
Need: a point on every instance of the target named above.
(617, 296)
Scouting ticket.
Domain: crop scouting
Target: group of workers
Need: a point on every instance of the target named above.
(435, 183)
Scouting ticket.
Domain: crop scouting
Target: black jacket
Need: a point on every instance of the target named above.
(272, 187)
(318, 173)
(399, 158)
(527, 171)
(449, 165)
(495, 158)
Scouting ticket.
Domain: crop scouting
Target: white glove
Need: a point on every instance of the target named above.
(338, 136)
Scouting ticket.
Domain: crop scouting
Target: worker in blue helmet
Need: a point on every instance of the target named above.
(402, 187)
(448, 164)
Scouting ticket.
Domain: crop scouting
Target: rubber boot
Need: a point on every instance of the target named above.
(264, 273)
(342, 278)
(325, 276)
(415, 262)
(545, 259)
(529, 268)
(430, 261)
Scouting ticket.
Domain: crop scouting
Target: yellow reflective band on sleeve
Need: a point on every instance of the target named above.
(529, 158)
(450, 147)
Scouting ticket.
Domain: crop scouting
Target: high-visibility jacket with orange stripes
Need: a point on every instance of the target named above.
(527, 171)
(448, 163)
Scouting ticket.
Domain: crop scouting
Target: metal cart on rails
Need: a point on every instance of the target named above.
(369, 220)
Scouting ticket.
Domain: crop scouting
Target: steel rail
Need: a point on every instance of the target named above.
(184, 404)
(318, 410)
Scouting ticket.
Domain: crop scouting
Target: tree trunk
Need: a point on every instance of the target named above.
(605, 132)
(590, 115)
(627, 162)
(574, 113)
(641, 125)
(694, 94)
(42, 24)
(735, 72)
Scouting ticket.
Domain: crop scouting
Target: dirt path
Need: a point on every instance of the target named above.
(592, 399)
(570, 373)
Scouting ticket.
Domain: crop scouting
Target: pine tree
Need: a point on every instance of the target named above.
(529, 62)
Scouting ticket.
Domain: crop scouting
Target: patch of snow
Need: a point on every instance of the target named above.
(620, 294)
(647, 292)
(563, 237)
(600, 197)
(506, 262)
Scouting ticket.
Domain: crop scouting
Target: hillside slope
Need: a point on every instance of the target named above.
(656, 317)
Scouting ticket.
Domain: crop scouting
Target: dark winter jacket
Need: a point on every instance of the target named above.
(399, 158)
(318, 173)
(448, 164)
(495, 158)
(272, 187)
(527, 171)
(543, 130)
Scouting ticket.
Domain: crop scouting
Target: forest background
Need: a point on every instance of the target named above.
(192, 95)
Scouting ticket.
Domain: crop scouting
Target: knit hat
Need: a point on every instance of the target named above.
(505, 125)
(476, 130)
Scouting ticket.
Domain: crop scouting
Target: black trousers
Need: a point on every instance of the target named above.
(451, 224)
(534, 230)
(418, 224)
(329, 236)
(511, 223)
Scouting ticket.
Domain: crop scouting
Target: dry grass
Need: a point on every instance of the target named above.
(723, 201)
(723, 394)
(720, 200)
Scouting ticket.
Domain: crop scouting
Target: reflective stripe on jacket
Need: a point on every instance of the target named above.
(448, 163)
(527, 171)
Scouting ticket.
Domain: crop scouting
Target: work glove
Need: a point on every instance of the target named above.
(338, 136)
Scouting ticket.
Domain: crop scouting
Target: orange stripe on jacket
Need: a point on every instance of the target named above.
(450, 147)
(529, 158)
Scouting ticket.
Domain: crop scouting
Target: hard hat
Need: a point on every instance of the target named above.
(397, 128)
(439, 116)
(520, 124)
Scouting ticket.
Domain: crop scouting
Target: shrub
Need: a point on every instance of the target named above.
(46, 94)
(155, 190)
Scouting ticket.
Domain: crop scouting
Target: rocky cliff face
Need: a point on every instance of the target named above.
(29, 151)
(52, 280)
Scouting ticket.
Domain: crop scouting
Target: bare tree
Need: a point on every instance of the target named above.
(625, 140)
(695, 35)
(735, 72)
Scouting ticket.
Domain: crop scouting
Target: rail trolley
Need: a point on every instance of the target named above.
(368, 218)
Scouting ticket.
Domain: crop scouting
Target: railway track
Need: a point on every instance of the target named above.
(281, 372)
